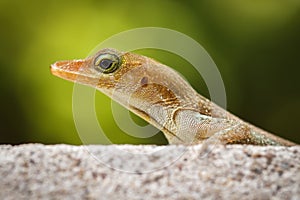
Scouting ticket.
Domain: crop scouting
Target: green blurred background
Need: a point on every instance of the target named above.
(255, 44)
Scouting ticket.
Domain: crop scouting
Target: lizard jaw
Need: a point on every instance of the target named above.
(72, 70)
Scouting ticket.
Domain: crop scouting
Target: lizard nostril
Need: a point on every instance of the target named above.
(144, 81)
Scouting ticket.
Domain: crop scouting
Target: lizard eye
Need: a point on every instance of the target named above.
(107, 63)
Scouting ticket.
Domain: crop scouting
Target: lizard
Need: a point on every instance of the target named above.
(162, 97)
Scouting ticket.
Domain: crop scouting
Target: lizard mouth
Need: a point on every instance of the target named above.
(66, 69)
(75, 71)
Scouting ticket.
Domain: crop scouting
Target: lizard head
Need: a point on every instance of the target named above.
(102, 70)
(124, 73)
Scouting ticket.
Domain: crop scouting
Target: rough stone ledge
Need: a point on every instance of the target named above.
(36, 171)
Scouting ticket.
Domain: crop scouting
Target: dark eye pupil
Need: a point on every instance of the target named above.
(106, 63)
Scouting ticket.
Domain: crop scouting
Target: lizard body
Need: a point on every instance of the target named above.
(158, 94)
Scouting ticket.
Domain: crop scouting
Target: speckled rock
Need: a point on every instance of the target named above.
(35, 171)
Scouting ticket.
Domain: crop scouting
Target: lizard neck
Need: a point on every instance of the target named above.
(155, 92)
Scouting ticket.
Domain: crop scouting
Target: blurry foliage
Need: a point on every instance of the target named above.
(255, 44)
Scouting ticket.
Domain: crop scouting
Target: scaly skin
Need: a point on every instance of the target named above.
(158, 94)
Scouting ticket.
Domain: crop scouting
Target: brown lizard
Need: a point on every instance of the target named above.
(158, 94)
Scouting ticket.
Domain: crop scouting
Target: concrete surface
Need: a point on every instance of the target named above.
(36, 171)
